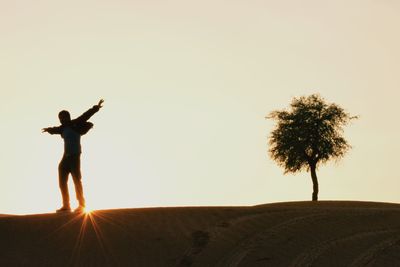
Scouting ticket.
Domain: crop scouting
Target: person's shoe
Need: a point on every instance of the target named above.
(80, 209)
(64, 209)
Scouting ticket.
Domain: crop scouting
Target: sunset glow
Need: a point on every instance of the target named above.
(187, 86)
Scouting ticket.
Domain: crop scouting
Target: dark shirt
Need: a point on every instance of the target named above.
(71, 132)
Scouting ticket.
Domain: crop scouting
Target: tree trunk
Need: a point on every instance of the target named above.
(314, 181)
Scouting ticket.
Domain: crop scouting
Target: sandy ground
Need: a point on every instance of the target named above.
(281, 234)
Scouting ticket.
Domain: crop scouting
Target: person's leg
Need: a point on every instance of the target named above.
(77, 177)
(63, 181)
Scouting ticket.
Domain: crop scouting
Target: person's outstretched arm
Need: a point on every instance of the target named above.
(52, 130)
(85, 116)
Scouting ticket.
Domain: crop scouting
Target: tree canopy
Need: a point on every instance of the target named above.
(308, 134)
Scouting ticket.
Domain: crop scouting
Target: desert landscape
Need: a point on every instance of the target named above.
(325, 233)
(197, 130)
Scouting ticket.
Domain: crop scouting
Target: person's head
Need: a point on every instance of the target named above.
(64, 117)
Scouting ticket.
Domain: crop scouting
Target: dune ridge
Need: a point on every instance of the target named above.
(326, 233)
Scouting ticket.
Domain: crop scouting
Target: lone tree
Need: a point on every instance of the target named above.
(308, 134)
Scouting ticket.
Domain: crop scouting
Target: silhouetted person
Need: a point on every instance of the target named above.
(71, 131)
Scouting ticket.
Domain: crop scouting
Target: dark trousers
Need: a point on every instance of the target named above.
(70, 164)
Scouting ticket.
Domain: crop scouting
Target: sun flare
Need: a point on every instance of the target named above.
(87, 210)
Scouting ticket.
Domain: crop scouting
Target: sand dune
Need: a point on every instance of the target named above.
(281, 234)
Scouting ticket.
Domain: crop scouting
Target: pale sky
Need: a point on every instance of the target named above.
(187, 85)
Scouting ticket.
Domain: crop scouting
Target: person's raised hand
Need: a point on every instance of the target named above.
(100, 103)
